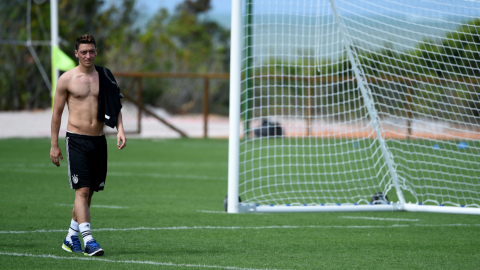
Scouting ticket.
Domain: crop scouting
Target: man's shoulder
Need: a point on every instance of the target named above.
(70, 72)
(68, 75)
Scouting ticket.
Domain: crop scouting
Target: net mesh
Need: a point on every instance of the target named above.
(309, 135)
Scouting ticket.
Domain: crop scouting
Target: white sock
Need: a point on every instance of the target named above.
(73, 230)
(85, 230)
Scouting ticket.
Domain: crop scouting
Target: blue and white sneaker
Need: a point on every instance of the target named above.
(72, 246)
(93, 249)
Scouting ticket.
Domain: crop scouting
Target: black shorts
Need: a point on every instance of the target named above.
(87, 161)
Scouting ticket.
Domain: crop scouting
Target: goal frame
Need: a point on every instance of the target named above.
(234, 206)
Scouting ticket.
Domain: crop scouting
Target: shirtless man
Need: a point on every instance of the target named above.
(85, 142)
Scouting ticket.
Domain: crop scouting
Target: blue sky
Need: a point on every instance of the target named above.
(219, 7)
(223, 7)
(220, 11)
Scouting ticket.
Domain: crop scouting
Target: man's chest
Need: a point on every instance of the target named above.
(84, 86)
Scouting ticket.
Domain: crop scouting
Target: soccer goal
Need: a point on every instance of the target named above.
(355, 105)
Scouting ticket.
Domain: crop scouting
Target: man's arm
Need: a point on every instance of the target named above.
(60, 98)
(121, 134)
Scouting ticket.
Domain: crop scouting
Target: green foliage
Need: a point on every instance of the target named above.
(179, 42)
(457, 55)
(185, 41)
(462, 50)
(22, 86)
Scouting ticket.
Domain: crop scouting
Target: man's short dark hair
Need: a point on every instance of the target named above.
(85, 39)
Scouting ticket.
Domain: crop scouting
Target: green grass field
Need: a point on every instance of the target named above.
(162, 208)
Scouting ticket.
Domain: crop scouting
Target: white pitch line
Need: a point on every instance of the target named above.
(374, 218)
(446, 225)
(253, 228)
(28, 170)
(24, 165)
(99, 206)
(222, 212)
(155, 164)
(158, 175)
(48, 256)
(36, 231)
(208, 211)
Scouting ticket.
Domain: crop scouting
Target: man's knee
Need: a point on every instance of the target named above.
(83, 192)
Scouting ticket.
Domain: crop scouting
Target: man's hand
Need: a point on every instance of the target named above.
(55, 153)
(121, 139)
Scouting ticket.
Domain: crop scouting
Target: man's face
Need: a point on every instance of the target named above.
(86, 54)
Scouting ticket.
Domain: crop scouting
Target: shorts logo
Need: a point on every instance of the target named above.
(102, 184)
(75, 178)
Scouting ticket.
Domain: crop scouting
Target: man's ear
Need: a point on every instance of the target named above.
(76, 53)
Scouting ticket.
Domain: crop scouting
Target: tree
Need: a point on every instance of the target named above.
(21, 84)
(184, 41)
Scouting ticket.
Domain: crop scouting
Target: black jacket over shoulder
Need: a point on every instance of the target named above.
(109, 96)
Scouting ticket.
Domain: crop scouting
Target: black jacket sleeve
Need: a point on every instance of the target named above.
(109, 96)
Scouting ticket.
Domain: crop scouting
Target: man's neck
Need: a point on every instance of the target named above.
(86, 70)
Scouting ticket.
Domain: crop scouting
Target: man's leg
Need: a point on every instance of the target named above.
(90, 195)
(80, 221)
(89, 201)
(81, 212)
(83, 199)
(74, 152)
(81, 207)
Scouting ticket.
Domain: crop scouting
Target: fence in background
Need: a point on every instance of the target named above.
(136, 83)
(313, 88)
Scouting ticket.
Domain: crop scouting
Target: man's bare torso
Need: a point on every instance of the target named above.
(82, 103)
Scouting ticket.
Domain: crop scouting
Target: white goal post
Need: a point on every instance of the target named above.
(354, 105)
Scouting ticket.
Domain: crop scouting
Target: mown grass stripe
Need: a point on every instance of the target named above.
(97, 206)
(123, 174)
(48, 256)
(254, 228)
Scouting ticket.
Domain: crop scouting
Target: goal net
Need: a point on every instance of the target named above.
(343, 99)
